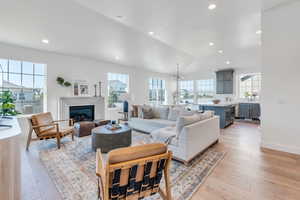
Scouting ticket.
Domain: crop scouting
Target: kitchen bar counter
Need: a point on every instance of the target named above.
(226, 112)
(10, 161)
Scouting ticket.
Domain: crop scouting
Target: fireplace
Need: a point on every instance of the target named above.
(82, 113)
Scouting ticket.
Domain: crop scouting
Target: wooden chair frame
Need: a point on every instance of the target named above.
(53, 123)
(103, 173)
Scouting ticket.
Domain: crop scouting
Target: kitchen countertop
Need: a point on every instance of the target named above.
(219, 104)
(7, 132)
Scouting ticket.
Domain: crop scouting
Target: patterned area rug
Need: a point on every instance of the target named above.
(72, 168)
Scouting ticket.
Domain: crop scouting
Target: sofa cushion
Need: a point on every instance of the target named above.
(186, 120)
(164, 135)
(174, 113)
(149, 125)
(140, 110)
(160, 112)
(206, 115)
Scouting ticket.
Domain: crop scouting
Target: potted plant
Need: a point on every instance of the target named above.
(8, 107)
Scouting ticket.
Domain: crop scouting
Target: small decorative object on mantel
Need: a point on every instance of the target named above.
(95, 87)
(100, 83)
(61, 81)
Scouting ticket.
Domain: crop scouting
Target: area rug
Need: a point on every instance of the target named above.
(72, 169)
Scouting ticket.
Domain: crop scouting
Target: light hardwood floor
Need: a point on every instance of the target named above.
(247, 172)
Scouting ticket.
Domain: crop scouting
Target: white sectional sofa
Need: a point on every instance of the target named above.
(188, 133)
(192, 140)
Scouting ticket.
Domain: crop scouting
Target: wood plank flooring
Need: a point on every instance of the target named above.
(246, 173)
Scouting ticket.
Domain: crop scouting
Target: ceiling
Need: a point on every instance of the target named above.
(269, 4)
(182, 31)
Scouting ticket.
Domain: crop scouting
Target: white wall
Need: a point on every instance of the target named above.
(281, 80)
(75, 68)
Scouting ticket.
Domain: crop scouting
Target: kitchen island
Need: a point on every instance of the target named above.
(226, 111)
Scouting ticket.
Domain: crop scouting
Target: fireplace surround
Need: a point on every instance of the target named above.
(66, 103)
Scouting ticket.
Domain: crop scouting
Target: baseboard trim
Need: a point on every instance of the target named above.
(283, 148)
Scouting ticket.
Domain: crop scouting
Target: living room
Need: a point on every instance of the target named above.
(206, 84)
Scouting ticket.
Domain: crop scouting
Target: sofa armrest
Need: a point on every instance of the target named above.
(196, 137)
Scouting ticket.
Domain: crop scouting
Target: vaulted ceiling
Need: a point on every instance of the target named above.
(120, 31)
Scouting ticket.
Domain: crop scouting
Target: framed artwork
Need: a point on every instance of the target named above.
(83, 89)
(80, 88)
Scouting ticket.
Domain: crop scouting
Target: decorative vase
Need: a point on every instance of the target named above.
(95, 87)
(100, 89)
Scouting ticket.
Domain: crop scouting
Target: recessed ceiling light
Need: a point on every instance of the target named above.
(212, 6)
(227, 62)
(45, 41)
(119, 16)
(211, 44)
(220, 51)
(117, 58)
(258, 32)
(150, 33)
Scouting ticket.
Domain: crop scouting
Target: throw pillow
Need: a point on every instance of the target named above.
(186, 120)
(140, 112)
(134, 110)
(187, 112)
(147, 113)
(161, 112)
(174, 113)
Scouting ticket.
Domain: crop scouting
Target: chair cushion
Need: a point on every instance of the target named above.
(42, 119)
(63, 131)
(136, 152)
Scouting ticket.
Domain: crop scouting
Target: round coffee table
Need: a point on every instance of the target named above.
(110, 139)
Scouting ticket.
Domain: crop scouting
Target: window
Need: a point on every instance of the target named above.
(157, 91)
(250, 85)
(186, 89)
(205, 89)
(118, 84)
(27, 86)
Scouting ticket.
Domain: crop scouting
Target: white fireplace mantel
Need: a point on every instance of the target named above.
(66, 102)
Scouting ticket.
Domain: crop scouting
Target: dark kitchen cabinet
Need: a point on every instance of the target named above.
(226, 113)
(249, 110)
(224, 82)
